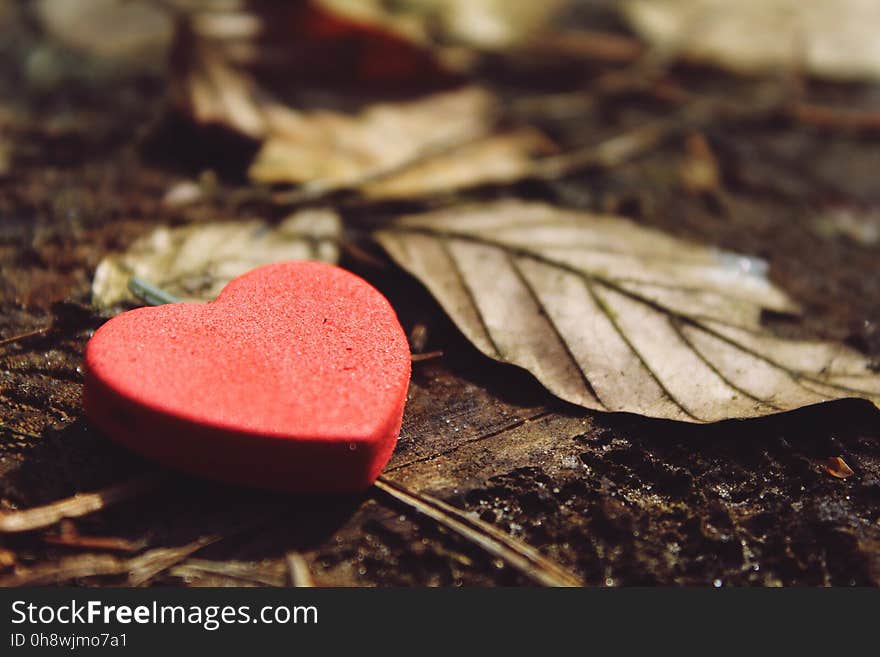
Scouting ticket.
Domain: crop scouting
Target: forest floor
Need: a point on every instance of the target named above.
(612, 499)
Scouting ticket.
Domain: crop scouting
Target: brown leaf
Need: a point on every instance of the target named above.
(837, 467)
(616, 317)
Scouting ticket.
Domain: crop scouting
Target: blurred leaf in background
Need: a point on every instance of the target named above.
(828, 38)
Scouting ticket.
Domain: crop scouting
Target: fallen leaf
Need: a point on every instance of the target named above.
(500, 158)
(439, 135)
(339, 150)
(617, 317)
(837, 467)
(196, 261)
(247, 66)
(829, 38)
(483, 24)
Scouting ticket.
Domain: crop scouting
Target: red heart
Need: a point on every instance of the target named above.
(294, 378)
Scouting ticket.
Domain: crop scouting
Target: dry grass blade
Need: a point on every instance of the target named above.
(524, 558)
(234, 572)
(140, 569)
(431, 355)
(78, 505)
(143, 568)
(607, 154)
(614, 316)
(109, 543)
(65, 570)
(24, 336)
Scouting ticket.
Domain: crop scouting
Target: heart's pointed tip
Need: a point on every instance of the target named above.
(295, 378)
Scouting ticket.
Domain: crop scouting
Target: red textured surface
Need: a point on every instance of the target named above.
(294, 378)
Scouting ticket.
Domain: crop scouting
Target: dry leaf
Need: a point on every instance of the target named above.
(830, 38)
(837, 467)
(246, 65)
(339, 150)
(195, 262)
(616, 317)
(483, 24)
(497, 159)
(220, 81)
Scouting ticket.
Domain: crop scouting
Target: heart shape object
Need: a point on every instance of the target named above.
(294, 378)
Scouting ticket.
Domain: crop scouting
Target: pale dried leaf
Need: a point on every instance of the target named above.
(341, 150)
(196, 262)
(830, 38)
(616, 317)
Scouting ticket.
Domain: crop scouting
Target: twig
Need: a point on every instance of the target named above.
(362, 256)
(78, 505)
(318, 189)
(609, 153)
(829, 117)
(592, 45)
(239, 572)
(149, 293)
(145, 567)
(140, 569)
(23, 336)
(418, 358)
(298, 570)
(524, 558)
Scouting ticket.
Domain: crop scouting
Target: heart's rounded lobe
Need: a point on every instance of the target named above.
(294, 378)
